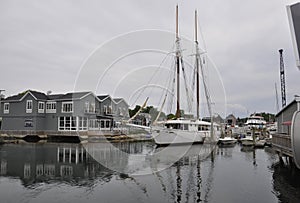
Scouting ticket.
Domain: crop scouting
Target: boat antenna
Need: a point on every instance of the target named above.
(178, 114)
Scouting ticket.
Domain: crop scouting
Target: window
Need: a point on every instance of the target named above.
(67, 107)
(82, 122)
(41, 107)
(110, 110)
(92, 107)
(105, 109)
(51, 107)
(28, 123)
(87, 105)
(67, 123)
(93, 124)
(6, 108)
(29, 106)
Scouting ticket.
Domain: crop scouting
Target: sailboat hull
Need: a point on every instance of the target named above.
(173, 136)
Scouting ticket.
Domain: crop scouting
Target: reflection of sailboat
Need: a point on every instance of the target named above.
(184, 181)
(164, 157)
(182, 130)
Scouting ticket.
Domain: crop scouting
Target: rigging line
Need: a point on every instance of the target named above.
(154, 73)
(186, 87)
(206, 91)
(168, 84)
(171, 97)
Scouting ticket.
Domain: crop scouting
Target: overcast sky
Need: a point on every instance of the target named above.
(43, 44)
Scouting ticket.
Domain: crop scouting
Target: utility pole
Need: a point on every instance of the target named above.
(282, 79)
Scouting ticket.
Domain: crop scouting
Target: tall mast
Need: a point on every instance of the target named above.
(177, 66)
(197, 65)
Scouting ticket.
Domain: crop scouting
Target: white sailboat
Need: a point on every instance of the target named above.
(181, 130)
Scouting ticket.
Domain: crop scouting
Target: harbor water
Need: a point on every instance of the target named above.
(137, 172)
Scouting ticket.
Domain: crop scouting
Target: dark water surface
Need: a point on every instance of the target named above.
(52, 172)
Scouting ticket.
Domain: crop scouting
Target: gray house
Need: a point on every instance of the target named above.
(78, 111)
(285, 115)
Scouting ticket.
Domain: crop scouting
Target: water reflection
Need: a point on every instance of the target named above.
(204, 173)
(286, 183)
(35, 163)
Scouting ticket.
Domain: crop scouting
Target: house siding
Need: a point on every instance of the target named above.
(17, 118)
(285, 116)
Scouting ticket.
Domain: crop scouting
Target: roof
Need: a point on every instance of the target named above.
(37, 95)
(59, 97)
(297, 99)
(102, 97)
(118, 100)
(73, 95)
(54, 96)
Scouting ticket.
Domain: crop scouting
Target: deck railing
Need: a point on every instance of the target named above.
(282, 143)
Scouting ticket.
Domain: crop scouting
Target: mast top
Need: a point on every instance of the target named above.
(196, 27)
(177, 22)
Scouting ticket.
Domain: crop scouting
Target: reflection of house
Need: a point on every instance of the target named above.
(41, 163)
(78, 111)
(230, 120)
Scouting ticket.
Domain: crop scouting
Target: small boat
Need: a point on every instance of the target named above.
(260, 143)
(269, 141)
(227, 141)
(247, 141)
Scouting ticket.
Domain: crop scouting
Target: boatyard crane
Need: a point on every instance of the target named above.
(282, 79)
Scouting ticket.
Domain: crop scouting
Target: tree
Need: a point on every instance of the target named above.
(171, 116)
(134, 111)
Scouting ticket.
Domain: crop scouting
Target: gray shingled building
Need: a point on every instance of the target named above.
(78, 111)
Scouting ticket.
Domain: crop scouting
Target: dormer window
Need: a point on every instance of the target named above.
(29, 106)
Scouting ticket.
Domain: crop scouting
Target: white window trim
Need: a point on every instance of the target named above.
(62, 107)
(105, 109)
(93, 107)
(65, 127)
(87, 107)
(29, 110)
(51, 110)
(43, 109)
(6, 111)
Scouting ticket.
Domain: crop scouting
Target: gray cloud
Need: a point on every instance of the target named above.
(44, 43)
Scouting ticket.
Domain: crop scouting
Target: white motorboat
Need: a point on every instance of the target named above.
(227, 141)
(247, 141)
(260, 143)
(255, 121)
